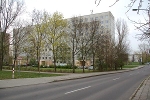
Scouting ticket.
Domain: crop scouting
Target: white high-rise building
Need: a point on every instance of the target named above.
(106, 20)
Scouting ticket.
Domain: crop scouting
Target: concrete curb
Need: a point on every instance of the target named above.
(34, 81)
(136, 91)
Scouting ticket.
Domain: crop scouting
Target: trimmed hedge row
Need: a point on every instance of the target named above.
(61, 67)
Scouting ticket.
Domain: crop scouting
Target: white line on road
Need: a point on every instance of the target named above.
(116, 78)
(131, 74)
(78, 90)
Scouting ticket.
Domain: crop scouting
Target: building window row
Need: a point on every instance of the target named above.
(102, 22)
(97, 18)
(45, 57)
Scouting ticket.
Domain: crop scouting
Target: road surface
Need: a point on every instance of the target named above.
(118, 86)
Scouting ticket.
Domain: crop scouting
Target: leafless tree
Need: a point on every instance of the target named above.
(85, 41)
(94, 31)
(105, 50)
(73, 38)
(20, 33)
(130, 5)
(9, 11)
(121, 43)
(143, 26)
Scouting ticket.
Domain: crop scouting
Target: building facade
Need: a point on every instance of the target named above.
(106, 20)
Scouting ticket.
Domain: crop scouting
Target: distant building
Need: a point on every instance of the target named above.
(135, 58)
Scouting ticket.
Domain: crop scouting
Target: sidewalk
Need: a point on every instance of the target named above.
(143, 91)
(30, 81)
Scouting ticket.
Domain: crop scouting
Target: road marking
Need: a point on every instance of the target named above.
(78, 90)
(116, 78)
(131, 74)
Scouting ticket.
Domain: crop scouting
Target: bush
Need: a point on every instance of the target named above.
(61, 67)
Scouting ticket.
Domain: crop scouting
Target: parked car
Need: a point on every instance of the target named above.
(90, 67)
(81, 67)
(147, 63)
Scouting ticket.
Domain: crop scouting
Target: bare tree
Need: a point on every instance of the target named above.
(9, 11)
(130, 5)
(20, 33)
(73, 38)
(143, 26)
(121, 43)
(94, 30)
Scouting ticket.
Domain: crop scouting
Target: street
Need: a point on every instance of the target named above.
(119, 86)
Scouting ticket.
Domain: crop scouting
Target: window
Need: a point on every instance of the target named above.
(86, 19)
(101, 22)
(45, 57)
(106, 26)
(96, 18)
(106, 16)
(106, 21)
(101, 17)
(49, 57)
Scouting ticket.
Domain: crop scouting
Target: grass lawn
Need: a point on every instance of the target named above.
(132, 65)
(8, 75)
(59, 70)
(65, 70)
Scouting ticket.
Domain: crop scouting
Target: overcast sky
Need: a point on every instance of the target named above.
(70, 8)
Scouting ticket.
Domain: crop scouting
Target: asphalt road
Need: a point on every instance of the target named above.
(118, 86)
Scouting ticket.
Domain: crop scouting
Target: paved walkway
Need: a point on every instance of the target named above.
(142, 92)
(30, 81)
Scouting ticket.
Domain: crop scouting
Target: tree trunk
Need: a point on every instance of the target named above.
(38, 60)
(73, 57)
(2, 51)
(93, 61)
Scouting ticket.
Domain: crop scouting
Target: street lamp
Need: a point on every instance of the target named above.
(139, 9)
(148, 12)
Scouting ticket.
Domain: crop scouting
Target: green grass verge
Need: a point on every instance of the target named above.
(132, 65)
(8, 75)
(59, 70)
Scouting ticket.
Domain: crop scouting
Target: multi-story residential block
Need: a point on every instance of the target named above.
(106, 20)
(106, 26)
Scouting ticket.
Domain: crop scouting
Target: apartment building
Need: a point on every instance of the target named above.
(107, 26)
(106, 20)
